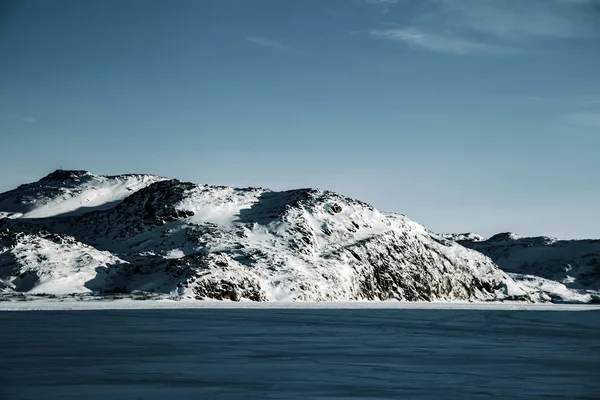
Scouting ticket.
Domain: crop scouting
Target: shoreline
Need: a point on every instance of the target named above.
(169, 304)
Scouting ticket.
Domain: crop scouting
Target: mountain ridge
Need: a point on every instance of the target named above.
(202, 241)
(563, 264)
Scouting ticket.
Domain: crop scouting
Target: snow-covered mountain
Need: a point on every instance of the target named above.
(69, 193)
(559, 267)
(202, 241)
(457, 237)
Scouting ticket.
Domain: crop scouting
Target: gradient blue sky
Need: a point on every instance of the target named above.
(465, 115)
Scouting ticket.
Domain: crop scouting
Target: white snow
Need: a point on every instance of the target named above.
(217, 204)
(551, 290)
(463, 236)
(10, 215)
(94, 194)
(59, 266)
(572, 263)
(175, 254)
(201, 241)
(124, 303)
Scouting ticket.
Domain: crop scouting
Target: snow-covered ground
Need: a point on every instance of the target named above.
(565, 270)
(143, 302)
(70, 193)
(314, 353)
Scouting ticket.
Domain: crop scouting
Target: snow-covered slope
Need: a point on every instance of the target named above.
(571, 264)
(70, 192)
(473, 237)
(51, 263)
(219, 242)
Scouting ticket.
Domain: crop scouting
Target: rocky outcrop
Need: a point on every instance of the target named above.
(144, 210)
(69, 192)
(406, 267)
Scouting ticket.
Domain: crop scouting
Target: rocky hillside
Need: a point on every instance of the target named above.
(73, 231)
(457, 237)
(69, 193)
(566, 267)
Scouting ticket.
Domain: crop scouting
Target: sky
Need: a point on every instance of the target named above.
(465, 115)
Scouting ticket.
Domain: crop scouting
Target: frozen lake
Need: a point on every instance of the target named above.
(256, 353)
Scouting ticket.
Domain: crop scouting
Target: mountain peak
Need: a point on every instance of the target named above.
(70, 191)
(63, 175)
(468, 236)
(504, 236)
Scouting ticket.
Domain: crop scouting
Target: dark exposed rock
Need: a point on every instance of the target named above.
(64, 175)
(152, 206)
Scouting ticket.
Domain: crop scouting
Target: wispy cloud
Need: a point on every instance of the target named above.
(274, 44)
(584, 100)
(491, 27)
(576, 2)
(16, 117)
(434, 42)
(594, 100)
(384, 5)
(381, 1)
(514, 19)
(588, 119)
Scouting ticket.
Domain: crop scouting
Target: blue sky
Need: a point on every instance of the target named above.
(465, 115)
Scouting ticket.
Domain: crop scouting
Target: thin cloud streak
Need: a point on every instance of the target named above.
(438, 43)
(523, 19)
(491, 27)
(589, 119)
(381, 1)
(594, 101)
(577, 100)
(383, 4)
(16, 117)
(274, 44)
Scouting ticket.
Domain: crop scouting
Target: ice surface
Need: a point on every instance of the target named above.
(313, 353)
(143, 302)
